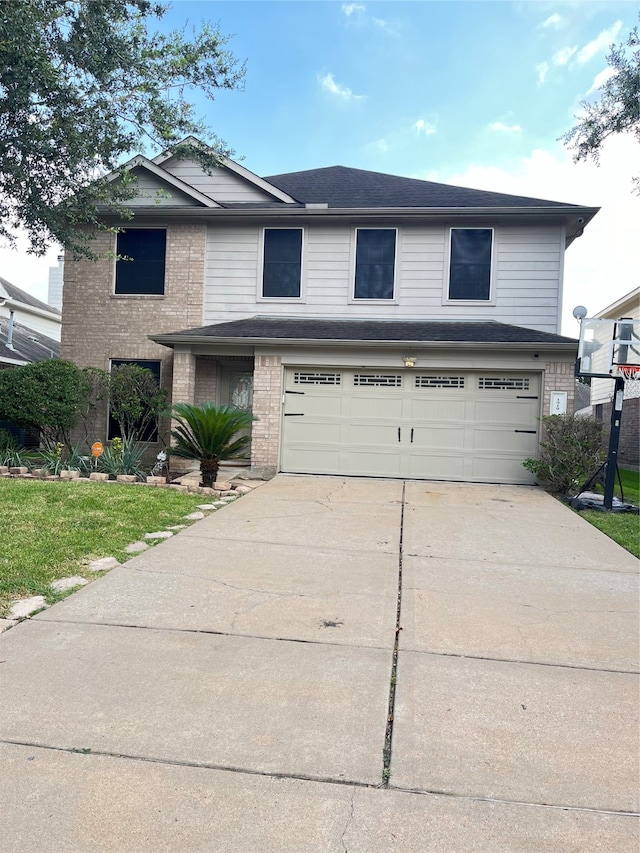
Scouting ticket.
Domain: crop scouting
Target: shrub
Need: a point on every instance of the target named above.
(46, 395)
(570, 452)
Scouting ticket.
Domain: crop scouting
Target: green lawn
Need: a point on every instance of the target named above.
(623, 528)
(50, 528)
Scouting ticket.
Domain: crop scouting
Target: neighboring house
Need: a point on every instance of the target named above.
(602, 389)
(376, 325)
(56, 279)
(29, 311)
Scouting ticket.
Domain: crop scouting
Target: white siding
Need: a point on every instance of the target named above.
(526, 284)
(151, 190)
(222, 186)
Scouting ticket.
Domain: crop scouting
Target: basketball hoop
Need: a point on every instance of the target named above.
(629, 372)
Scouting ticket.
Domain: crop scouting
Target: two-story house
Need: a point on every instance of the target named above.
(376, 325)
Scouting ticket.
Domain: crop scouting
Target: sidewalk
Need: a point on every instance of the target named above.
(228, 690)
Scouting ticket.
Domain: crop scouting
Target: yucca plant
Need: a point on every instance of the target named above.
(209, 433)
(123, 457)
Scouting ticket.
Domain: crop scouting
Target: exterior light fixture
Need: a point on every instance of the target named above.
(409, 361)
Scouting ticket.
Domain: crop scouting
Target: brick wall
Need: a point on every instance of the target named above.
(267, 392)
(206, 379)
(98, 325)
(629, 448)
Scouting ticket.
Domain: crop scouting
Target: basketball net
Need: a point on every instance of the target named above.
(629, 371)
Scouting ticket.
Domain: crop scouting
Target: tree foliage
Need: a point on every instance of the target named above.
(47, 395)
(618, 108)
(83, 83)
(209, 434)
(135, 401)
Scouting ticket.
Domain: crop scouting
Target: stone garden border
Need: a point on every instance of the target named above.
(220, 489)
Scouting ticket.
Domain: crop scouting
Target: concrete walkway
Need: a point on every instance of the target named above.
(229, 690)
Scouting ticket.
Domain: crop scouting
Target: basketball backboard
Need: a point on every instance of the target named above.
(606, 344)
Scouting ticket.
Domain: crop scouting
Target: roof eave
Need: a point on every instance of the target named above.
(200, 340)
(581, 213)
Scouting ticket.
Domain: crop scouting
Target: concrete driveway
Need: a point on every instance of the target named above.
(235, 687)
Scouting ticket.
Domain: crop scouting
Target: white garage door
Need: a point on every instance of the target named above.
(474, 426)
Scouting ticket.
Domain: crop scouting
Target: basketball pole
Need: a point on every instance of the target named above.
(614, 441)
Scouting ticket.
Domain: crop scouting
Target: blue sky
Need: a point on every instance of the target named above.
(470, 92)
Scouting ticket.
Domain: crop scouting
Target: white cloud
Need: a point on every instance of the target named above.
(600, 79)
(556, 21)
(600, 43)
(425, 127)
(602, 265)
(562, 56)
(353, 9)
(329, 84)
(380, 145)
(500, 127)
(543, 70)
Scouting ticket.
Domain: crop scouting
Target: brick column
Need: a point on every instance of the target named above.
(184, 377)
(267, 393)
(558, 376)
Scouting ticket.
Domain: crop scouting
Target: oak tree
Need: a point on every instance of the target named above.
(617, 110)
(83, 83)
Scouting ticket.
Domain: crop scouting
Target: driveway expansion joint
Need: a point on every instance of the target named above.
(520, 661)
(388, 737)
(306, 777)
(213, 633)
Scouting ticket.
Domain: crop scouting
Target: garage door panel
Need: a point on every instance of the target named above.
(371, 434)
(317, 460)
(438, 410)
(496, 469)
(510, 412)
(438, 466)
(304, 430)
(500, 439)
(383, 407)
(325, 406)
(446, 436)
(363, 462)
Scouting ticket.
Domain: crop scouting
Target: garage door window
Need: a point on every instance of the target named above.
(503, 383)
(377, 380)
(375, 263)
(439, 381)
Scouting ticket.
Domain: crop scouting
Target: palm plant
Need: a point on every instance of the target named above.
(209, 433)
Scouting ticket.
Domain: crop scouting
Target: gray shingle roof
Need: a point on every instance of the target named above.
(28, 345)
(344, 187)
(20, 295)
(287, 328)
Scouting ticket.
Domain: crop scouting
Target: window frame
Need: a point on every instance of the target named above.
(447, 300)
(261, 265)
(363, 300)
(138, 294)
(113, 430)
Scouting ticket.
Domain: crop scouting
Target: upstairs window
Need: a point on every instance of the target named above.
(282, 267)
(375, 263)
(141, 269)
(470, 265)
